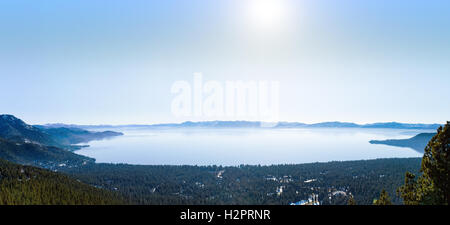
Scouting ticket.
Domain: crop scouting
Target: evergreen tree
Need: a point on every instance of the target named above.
(407, 191)
(351, 201)
(436, 165)
(433, 186)
(26, 185)
(384, 199)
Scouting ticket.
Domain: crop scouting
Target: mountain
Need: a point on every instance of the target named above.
(257, 124)
(47, 148)
(26, 185)
(337, 124)
(230, 124)
(334, 125)
(14, 129)
(394, 125)
(70, 136)
(418, 142)
(33, 146)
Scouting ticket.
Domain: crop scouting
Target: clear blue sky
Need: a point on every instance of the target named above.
(113, 62)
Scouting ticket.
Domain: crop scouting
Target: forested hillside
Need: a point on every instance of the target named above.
(40, 155)
(25, 185)
(14, 129)
(46, 147)
(333, 182)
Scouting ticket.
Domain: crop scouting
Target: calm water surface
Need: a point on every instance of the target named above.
(197, 146)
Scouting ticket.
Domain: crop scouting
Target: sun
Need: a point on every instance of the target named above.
(267, 14)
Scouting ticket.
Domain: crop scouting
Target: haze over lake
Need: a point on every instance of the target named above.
(235, 146)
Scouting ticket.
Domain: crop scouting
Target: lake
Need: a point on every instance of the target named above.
(235, 146)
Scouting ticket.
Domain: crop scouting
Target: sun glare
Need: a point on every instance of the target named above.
(267, 14)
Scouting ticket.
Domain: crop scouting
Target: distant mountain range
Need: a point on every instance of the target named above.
(252, 124)
(50, 146)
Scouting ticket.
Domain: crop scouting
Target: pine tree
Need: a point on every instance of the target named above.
(433, 186)
(436, 165)
(407, 192)
(384, 199)
(351, 201)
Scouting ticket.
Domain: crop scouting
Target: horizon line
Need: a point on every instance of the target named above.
(250, 121)
(210, 121)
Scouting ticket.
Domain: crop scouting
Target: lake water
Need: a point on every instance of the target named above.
(197, 146)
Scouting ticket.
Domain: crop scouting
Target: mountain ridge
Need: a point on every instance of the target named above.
(46, 148)
(258, 124)
(15, 129)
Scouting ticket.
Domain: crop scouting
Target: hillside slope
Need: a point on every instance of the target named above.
(69, 136)
(44, 147)
(39, 155)
(26, 185)
(12, 128)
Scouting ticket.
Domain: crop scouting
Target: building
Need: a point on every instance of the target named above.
(312, 200)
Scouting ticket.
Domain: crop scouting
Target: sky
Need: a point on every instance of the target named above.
(115, 62)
